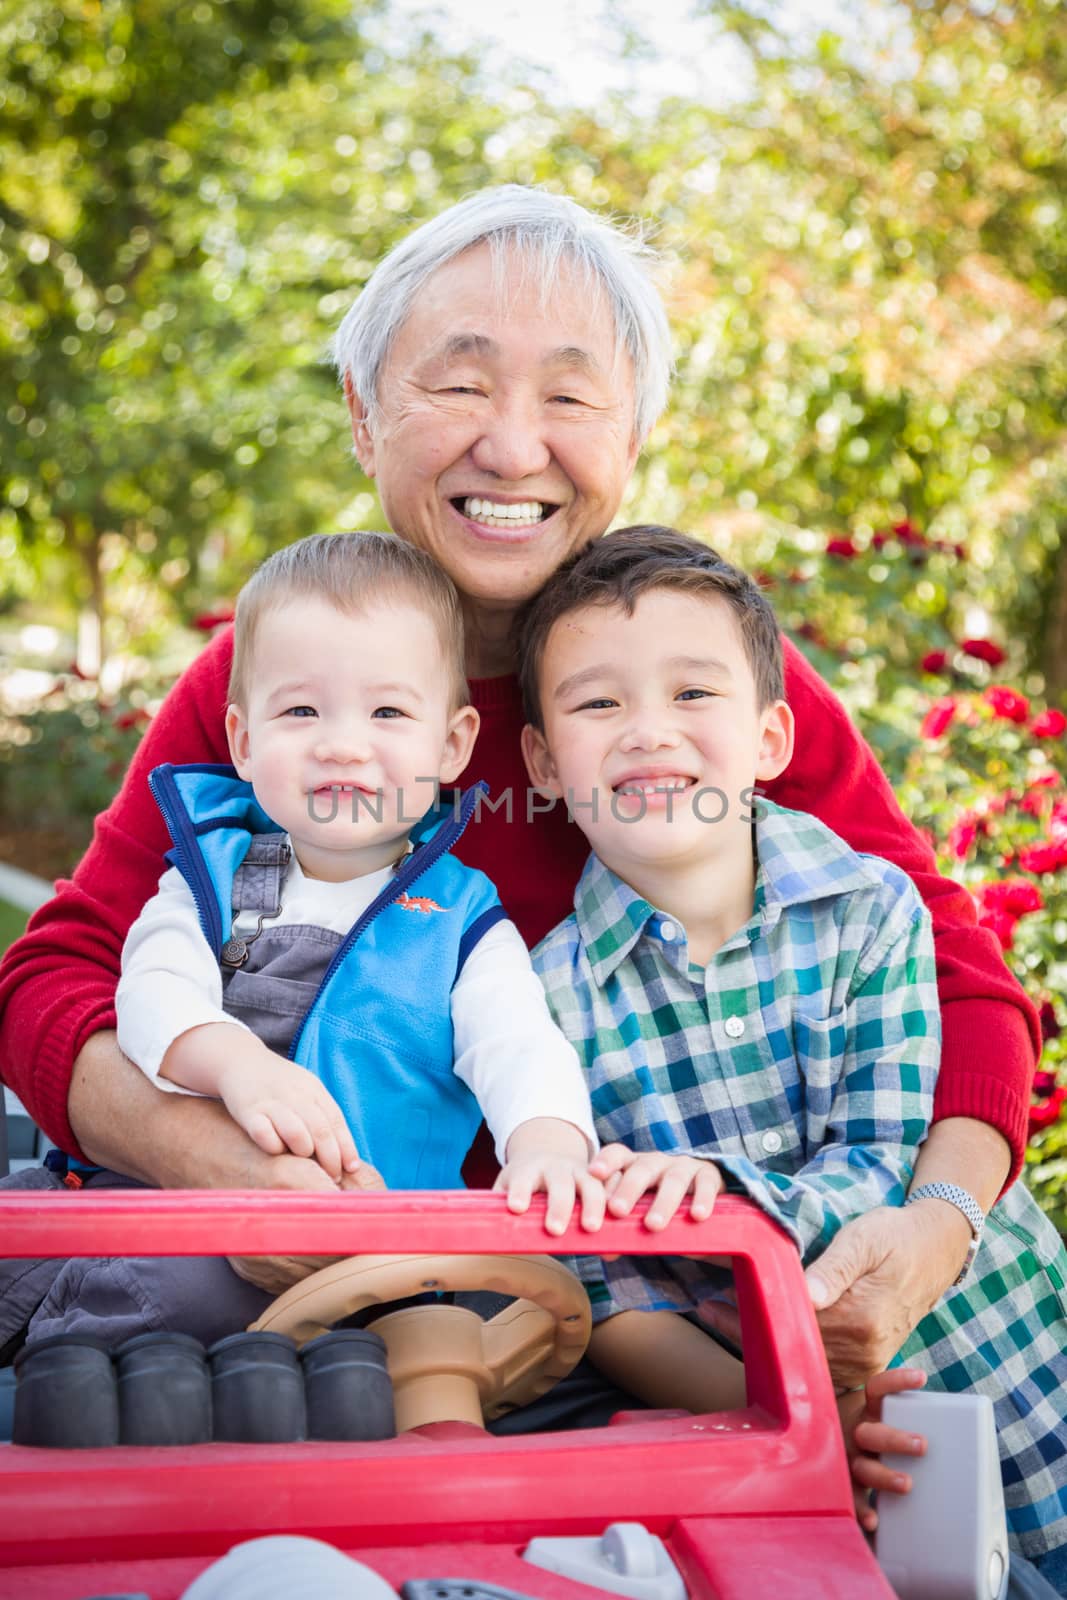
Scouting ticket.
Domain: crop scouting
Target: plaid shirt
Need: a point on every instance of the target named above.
(803, 1061)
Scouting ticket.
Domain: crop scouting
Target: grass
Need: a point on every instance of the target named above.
(12, 922)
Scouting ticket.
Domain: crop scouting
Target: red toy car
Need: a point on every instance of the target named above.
(751, 1505)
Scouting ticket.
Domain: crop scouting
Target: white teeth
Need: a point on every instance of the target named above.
(668, 786)
(495, 514)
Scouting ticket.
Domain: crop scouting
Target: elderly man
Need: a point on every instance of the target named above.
(502, 369)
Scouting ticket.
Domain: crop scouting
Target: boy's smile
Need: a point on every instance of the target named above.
(654, 737)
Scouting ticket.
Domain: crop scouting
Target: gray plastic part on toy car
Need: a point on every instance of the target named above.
(626, 1560)
(285, 1566)
(948, 1538)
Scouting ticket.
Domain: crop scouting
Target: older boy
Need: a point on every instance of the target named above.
(752, 1001)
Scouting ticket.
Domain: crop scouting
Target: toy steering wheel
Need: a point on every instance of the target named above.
(445, 1362)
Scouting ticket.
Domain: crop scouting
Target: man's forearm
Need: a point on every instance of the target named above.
(967, 1153)
(172, 1141)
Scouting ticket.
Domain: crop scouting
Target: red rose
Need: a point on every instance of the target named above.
(131, 719)
(1045, 1115)
(1050, 1028)
(879, 541)
(983, 650)
(1048, 857)
(938, 718)
(1044, 1082)
(961, 837)
(1007, 703)
(1015, 896)
(907, 533)
(841, 547)
(1049, 725)
(207, 621)
(1001, 924)
(934, 661)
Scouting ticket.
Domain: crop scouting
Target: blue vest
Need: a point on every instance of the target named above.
(378, 1032)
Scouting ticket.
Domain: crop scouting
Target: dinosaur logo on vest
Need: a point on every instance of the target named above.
(419, 902)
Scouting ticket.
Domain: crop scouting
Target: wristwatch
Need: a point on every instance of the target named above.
(963, 1202)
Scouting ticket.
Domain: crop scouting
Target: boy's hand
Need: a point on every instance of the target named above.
(867, 1438)
(550, 1156)
(628, 1174)
(284, 1107)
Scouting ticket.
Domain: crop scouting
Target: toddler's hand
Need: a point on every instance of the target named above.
(867, 1438)
(284, 1107)
(562, 1179)
(628, 1174)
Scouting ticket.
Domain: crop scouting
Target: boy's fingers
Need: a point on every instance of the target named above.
(673, 1187)
(874, 1474)
(896, 1380)
(643, 1175)
(878, 1438)
(612, 1159)
(707, 1186)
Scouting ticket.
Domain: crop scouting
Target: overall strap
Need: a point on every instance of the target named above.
(256, 894)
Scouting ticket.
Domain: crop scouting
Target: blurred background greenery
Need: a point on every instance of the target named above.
(864, 235)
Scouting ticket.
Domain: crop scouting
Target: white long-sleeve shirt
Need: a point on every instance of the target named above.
(508, 1051)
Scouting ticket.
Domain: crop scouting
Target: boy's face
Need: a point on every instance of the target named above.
(348, 717)
(652, 729)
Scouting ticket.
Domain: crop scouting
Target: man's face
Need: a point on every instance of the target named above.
(504, 435)
(652, 730)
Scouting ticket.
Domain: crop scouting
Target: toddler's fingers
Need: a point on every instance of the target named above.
(328, 1153)
(519, 1186)
(261, 1130)
(707, 1188)
(643, 1174)
(672, 1189)
(895, 1380)
(560, 1206)
(594, 1202)
(291, 1127)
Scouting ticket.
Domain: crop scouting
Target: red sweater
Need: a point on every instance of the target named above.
(57, 983)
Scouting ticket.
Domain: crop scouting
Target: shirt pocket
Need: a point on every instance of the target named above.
(819, 1043)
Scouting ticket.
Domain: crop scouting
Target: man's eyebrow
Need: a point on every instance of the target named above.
(458, 345)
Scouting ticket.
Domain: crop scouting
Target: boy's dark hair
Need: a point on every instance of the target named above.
(620, 567)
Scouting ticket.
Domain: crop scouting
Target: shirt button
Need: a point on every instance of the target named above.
(771, 1142)
(735, 1027)
(668, 931)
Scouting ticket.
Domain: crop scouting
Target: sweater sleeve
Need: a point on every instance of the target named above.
(990, 1033)
(57, 983)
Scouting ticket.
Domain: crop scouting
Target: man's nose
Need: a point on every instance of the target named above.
(512, 444)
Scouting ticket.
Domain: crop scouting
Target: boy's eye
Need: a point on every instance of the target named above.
(601, 703)
(300, 711)
(388, 711)
(695, 694)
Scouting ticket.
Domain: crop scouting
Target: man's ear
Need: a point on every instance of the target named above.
(361, 434)
(539, 762)
(776, 741)
(459, 742)
(238, 741)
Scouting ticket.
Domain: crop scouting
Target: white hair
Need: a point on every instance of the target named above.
(544, 229)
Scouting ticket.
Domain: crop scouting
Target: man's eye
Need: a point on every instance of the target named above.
(566, 399)
(300, 711)
(388, 711)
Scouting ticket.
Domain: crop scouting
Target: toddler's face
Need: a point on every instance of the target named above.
(652, 731)
(347, 727)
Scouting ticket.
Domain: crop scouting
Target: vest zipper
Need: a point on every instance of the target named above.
(187, 851)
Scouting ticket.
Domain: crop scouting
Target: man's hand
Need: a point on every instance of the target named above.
(868, 1438)
(879, 1277)
(628, 1174)
(546, 1155)
(284, 1107)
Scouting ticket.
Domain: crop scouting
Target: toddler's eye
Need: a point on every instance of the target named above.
(387, 711)
(301, 711)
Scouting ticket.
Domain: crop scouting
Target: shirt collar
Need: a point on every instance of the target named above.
(800, 860)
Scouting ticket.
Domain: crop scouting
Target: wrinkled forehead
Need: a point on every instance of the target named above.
(503, 287)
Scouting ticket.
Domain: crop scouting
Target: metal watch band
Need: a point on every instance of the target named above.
(963, 1202)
